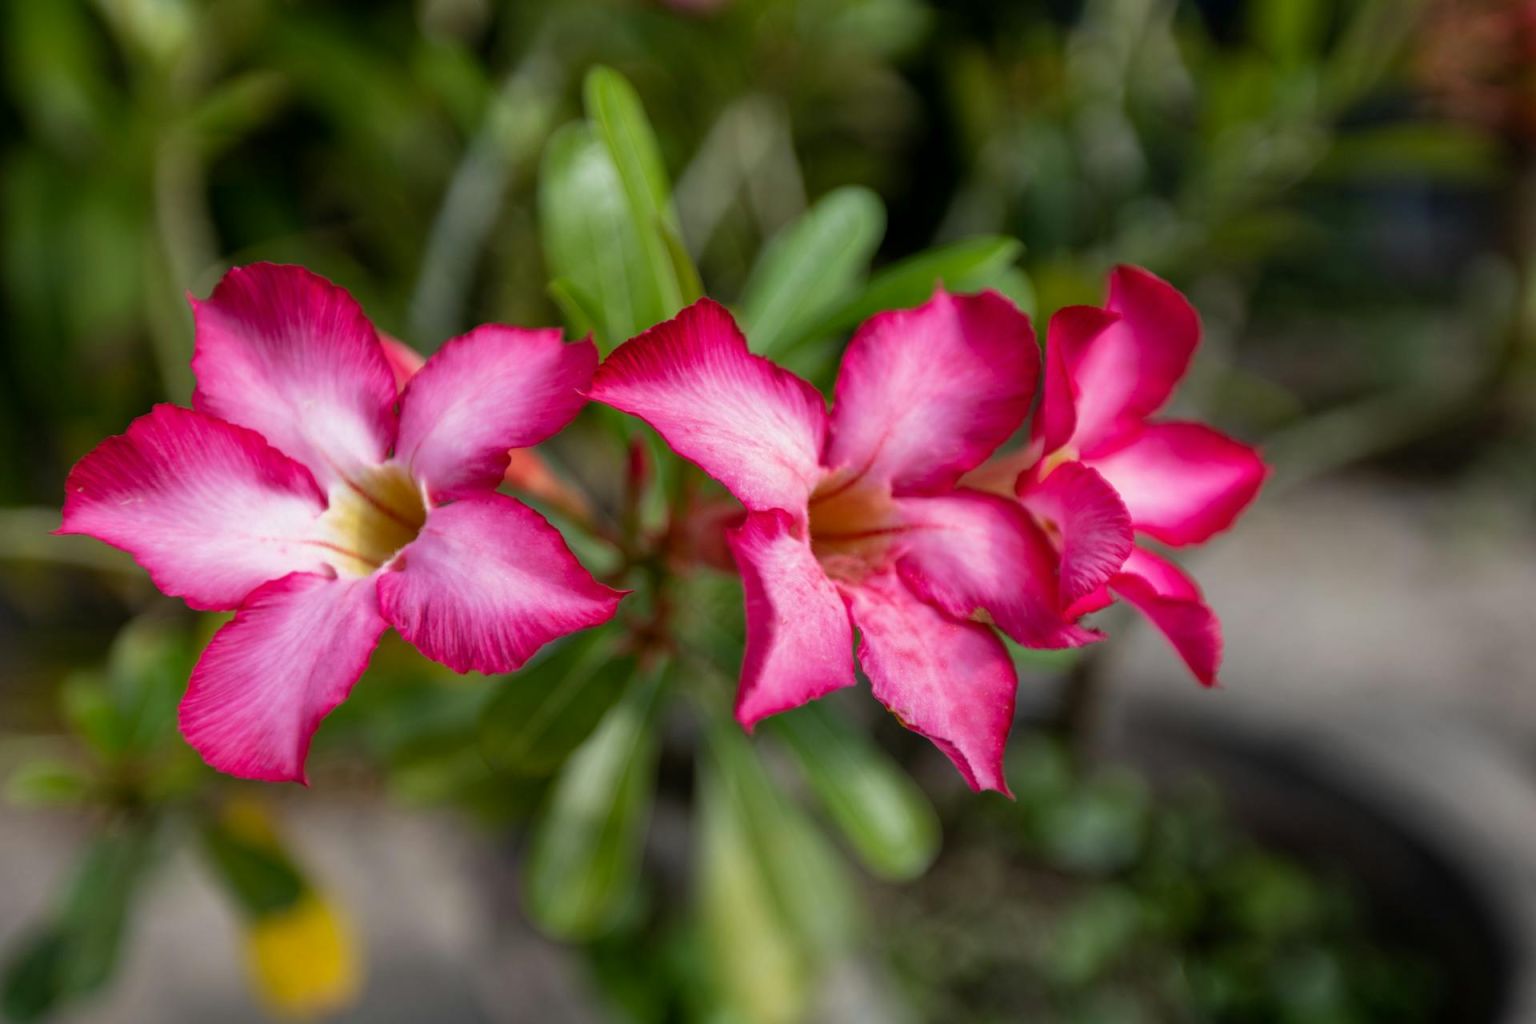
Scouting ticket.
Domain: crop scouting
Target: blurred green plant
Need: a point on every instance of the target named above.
(1092, 899)
(426, 156)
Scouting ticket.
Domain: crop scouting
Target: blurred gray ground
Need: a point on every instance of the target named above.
(1354, 600)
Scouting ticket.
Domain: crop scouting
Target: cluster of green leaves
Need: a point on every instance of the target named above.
(1091, 899)
(146, 794)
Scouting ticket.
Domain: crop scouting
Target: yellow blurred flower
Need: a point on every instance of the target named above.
(303, 960)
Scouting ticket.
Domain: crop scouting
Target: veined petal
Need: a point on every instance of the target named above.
(968, 552)
(799, 640)
(290, 355)
(1182, 482)
(1172, 602)
(484, 392)
(926, 394)
(488, 582)
(1090, 521)
(273, 672)
(1072, 332)
(950, 681)
(1125, 373)
(210, 510)
(754, 427)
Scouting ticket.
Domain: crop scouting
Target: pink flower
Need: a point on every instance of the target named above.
(294, 492)
(854, 518)
(1098, 467)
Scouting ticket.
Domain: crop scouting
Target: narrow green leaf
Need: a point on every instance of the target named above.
(760, 970)
(76, 952)
(33, 975)
(620, 120)
(810, 268)
(584, 858)
(47, 782)
(801, 869)
(260, 878)
(583, 315)
(543, 713)
(885, 817)
(589, 238)
(90, 713)
(966, 266)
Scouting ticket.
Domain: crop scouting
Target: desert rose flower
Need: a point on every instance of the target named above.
(294, 492)
(854, 518)
(1098, 466)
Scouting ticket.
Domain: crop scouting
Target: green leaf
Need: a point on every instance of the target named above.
(620, 120)
(1289, 30)
(33, 975)
(967, 266)
(585, 850)
(810, 268)
(590, 242)
(47, 782)
(801, 869)
(759, 968)
(147, 672)
(90, 713)
(885, 817)
(259, 876)
(543, 713)
(76, 952)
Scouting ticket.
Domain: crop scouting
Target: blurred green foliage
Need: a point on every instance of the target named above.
(1092, 899)
(811, 161)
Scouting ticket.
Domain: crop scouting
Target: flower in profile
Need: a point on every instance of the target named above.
(1098, 466)
(301, 491)
(854, 517)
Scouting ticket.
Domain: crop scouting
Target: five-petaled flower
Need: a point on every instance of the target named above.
(855, 517)
(1098, 468)
(298, 491)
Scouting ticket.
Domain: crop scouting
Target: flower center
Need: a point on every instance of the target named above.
(853, 525)
(371, 516)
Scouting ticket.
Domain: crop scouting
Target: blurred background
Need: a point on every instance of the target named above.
(1346, 189)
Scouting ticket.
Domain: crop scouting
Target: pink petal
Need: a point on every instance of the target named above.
(1182, 482)
(926, 394)
(403, 360)
(484, 392)
(210, 510)
(756, 428)
(1172, 602)
(799, 640)
(273, 672)
(1126, 373)
(1072, 332)
(969, 552)
(1090, 520)
(951, 681)
(290, 355)
(487, 583)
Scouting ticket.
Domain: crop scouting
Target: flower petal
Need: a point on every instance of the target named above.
(951, 681)
(210, 510)
(1172, 602)
(484, 392)
(799, 640)
(967, 552)
(756, 428)
(926, 394)
(273, 672)
(1072, 331)
(487, 583)
(290, 355)
(1084, 511)
(1182, 482)
(1126, 373)
(403, 360)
